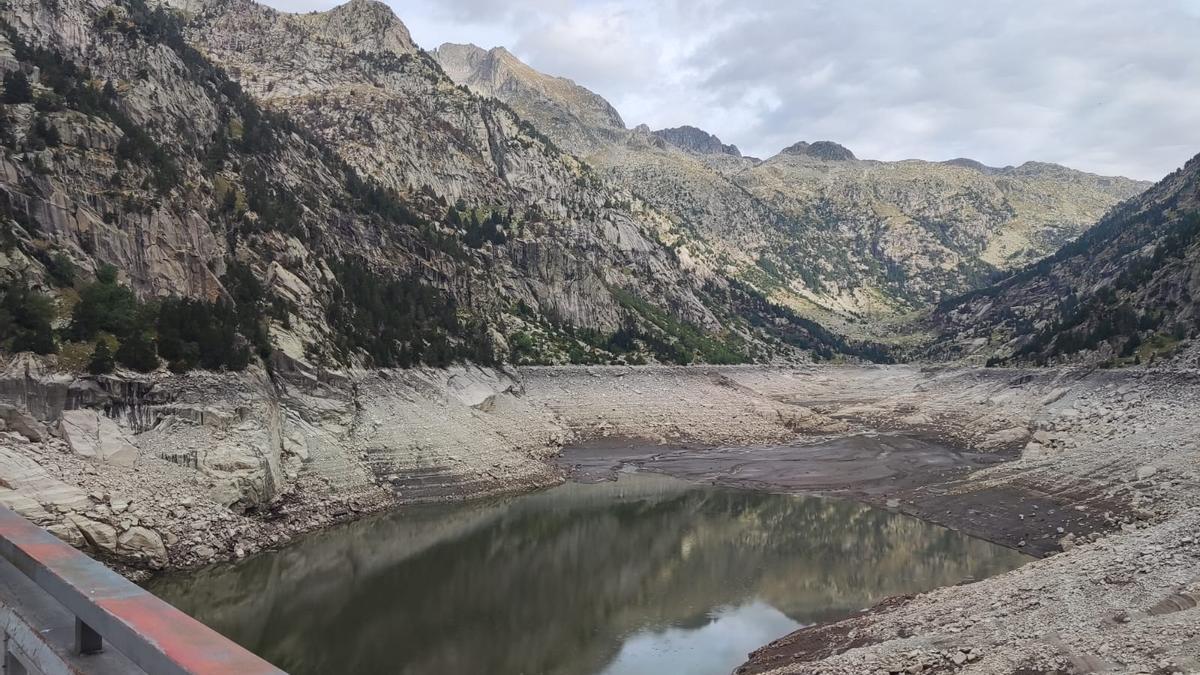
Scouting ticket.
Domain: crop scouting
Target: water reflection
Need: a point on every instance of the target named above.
(645, 575)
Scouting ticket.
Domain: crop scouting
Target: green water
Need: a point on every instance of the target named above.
(644, 575)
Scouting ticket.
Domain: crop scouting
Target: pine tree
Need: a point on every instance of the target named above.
(102, 359)
(138, 352)
(17, 88)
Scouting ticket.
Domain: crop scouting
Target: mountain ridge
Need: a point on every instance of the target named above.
(1122, 293)
(833, 236)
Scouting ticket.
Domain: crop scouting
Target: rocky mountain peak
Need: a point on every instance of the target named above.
(576, 118)
(971, 164)
(823, 150)
(362, 26)
(696, 141)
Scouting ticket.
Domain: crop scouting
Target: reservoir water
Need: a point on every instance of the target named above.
(647, 574)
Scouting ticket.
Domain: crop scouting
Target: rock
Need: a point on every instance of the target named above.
(100, 536)
(143, 542)
(204, 552)
(959, 658)
(1013, 436)
(67, 532)
(1144, 472)
(27, 485)
(92, 435)
(15, 420)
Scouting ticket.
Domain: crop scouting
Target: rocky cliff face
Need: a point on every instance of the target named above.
(577, 119)
(826, 150)
(697, 141)
(1123, 293)
(327, 156)
(833, 236)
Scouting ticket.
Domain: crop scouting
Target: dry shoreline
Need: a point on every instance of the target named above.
(912, 473)
(229, 465)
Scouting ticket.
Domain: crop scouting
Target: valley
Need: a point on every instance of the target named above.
(284, 295)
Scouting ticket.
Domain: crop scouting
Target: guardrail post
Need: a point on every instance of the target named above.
(13, 665)
(87, 640)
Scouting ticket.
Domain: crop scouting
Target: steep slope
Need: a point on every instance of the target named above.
(820, 230)
(578, 120)
(126, 149)
(351, 207)
(1124, 292)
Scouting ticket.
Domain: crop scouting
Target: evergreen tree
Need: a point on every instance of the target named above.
(137, 351)
(102, 359)
(25, 317)
(47, 132)
(17, 88)
(104, 306)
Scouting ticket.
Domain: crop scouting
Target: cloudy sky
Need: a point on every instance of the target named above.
(1111, 86)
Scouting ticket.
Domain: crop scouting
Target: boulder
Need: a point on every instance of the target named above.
(143, 543)
(90, 434)
(27, 426)
(100, 536)
(67, 532)
(81, 430)
(1144, 472)
(26, 488)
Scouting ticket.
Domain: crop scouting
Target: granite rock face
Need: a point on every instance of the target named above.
(696, 141)
(285, 145)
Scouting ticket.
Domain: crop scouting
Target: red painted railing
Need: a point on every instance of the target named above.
(109, 608)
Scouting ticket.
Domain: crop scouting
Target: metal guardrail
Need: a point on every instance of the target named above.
(148, 632)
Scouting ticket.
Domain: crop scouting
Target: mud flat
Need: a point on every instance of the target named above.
(169, 472)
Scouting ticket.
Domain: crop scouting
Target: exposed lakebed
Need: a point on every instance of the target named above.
(643, 574)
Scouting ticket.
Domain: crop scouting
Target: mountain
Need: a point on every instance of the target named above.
(1124, 292)
(696, 141)
(816, 228)
(578, 120)
(825, 150)
(199, 184)
(931, 229)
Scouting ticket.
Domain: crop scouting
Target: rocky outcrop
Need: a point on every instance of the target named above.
(577, 119)
(697, 141)
(823, 150)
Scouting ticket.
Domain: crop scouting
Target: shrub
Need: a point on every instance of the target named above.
(61, 270)
(25, 317)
